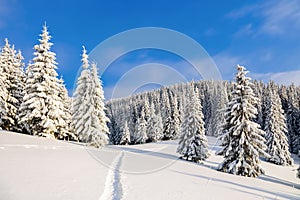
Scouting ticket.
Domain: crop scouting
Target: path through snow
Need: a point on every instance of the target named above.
(113, 184)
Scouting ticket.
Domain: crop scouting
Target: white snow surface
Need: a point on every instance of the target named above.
(43, 168)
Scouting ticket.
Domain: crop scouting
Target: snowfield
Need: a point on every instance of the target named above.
(40, 168)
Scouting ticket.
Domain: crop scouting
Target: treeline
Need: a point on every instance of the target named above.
(157, 115)
(253, 120)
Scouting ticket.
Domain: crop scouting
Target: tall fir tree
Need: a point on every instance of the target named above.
(3, 108)
(19, 80)
(166, 114)
(276, 129)
(133, 118)
(292, 117)
(88, 113)
(219, 100)
(140, 135)
(193, 144)
(97, 96)
(13, 74)
(81, 105)
(66, 126)
(125, 138)
(242, 139)
(155, 126)
(40, 112)
(114, 129)
(175, 117)
(3, 94)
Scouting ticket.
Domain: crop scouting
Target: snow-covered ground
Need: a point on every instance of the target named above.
(39, 168)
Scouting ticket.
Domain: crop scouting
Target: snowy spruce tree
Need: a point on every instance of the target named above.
(12, 65)
(140, 135)
(165, 112)
(40, 112)
(125, 138)
(155, 126)
(276, 129)
(97, 96)
(88, 109)
(3, 96)
(114, 129)
(293, 119)
(133, 118)
(81, 104)
(242, 139)
(175, 118)
(193, 143)
(66, 126)
(219, 100)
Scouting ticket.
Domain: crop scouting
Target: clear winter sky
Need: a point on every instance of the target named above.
(262, 35)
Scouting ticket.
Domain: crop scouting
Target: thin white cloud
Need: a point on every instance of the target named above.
(245, 30)
(276, 17)
(242, 12)
(280, 16)
(285, 78)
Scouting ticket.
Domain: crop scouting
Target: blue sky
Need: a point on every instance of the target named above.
(262, 35)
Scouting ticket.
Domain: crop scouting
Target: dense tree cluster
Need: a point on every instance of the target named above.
(252, 119)
(36, 102)
(214, 95)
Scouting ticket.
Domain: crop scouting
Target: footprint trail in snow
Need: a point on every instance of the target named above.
(113, 185)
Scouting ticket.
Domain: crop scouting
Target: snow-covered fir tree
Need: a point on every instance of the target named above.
(66, 126)
(218, 103)
(155, 126)
(115, 131)
(3, 96)
(170, 114)
(207, 98)
(13, 74)
(112, 125)
(146, 106)
(17, 87)
(242, 139)
(193, 143)
(97, 96)
(258, 89)
(40, 112)
(276, 129)
(88, 113)
(140, 135)
(175, 118)
(166, 113)
(125, 138)
(81, 105)
(133, 118)
(19, 80)
(293, 119)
